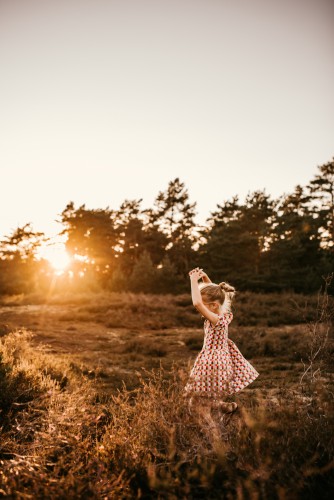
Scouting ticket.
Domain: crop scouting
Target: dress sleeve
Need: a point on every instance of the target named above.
(224, 319)
(226, 316)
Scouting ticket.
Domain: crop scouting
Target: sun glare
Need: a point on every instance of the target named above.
(57, 256)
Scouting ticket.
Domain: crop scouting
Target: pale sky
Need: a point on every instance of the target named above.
(107, 100)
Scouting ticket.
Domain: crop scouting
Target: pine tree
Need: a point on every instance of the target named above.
(19, 262)
(22, 244)
(175, 216)
(144, 275)
(294, 257)
(92, 235)
(168, 280)
(322, 195)
(236, 237)
(137, 236)
(118, 281)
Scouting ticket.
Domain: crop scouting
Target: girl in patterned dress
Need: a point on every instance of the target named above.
(220, 369)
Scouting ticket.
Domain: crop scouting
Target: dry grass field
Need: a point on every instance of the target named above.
(92, 406)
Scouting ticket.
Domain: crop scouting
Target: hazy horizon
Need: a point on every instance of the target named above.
(103, 101)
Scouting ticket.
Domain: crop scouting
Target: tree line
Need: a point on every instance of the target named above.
(260, 244)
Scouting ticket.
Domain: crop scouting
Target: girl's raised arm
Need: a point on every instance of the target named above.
(205, 277)
(196, 296)
(227, 306)
(229, 294)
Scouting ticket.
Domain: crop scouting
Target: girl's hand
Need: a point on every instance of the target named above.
(196, 274)
(205, 277)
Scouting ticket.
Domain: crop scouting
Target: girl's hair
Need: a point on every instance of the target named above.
(212, 291)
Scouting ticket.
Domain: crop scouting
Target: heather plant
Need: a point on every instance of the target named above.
(48, 444)
(166, 311)
(266, 451)
(320, 341)
(63, 438)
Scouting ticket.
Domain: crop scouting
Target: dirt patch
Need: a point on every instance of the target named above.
(114, 354)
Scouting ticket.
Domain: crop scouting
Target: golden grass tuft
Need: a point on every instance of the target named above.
(82, 417)
(68, 440)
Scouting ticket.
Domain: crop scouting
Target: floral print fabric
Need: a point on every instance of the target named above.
(220, 369)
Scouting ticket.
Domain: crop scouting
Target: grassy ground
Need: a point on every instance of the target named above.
(70, 429)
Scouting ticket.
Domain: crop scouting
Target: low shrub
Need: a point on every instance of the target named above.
(74, 442)
(194, 342)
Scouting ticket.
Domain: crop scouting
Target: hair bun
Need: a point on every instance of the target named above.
(226, 287)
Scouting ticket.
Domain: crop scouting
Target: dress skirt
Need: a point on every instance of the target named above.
(220, 369)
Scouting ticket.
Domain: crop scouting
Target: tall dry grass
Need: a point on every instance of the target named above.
(320, 339)
(60, 438)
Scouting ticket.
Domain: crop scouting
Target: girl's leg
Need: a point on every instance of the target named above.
(229, 407)
(225, 406)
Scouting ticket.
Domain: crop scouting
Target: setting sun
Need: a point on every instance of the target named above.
(57, 255)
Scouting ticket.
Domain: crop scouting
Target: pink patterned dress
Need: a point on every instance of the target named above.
(219, 369)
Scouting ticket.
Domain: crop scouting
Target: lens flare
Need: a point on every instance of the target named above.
(57, 256)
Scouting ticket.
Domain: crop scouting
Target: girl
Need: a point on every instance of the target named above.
(220, 369)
